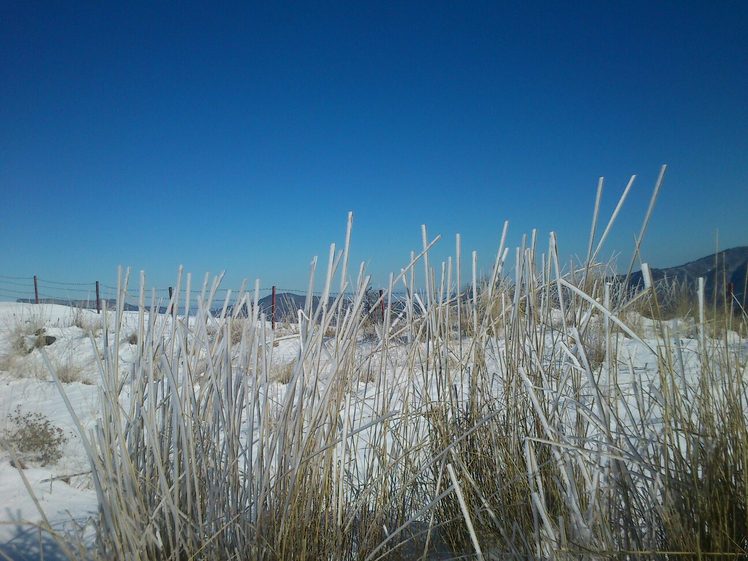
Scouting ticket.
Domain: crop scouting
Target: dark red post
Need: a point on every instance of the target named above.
(381, 302)
(272, 309)
(36, 290)
(98, 299)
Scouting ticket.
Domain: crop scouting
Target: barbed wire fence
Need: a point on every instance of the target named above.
(95, 295)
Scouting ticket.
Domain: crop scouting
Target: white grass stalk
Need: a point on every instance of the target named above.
(465, 512)
(647, 217)
(558, 444)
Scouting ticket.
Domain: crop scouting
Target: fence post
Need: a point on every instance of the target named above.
(98, 299)
(381, 302)
(171, 293)
(36, 290)
(272, 309)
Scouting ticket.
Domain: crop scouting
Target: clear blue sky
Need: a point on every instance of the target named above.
(238, 137)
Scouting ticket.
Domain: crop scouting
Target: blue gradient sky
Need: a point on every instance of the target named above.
(238, 138)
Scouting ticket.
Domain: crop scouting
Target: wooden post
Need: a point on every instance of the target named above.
(98, 299)
(272, 309)
(381, 302)
(36, 290)
(171, 293)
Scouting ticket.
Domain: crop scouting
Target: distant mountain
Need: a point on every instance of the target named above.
(722, 270)
(287, 305)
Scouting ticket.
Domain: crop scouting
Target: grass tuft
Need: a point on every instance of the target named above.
(531, 415)
(33, 438)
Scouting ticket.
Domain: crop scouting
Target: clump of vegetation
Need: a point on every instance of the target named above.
(69, 372)
(236, 329)
(24, 343)
(26, 334)
(282, 373)
(506, 422)
(33, 437)
(86, 320)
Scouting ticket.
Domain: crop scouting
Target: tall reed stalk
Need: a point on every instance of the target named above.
(523, 416)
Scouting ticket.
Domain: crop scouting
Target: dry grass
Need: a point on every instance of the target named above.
(32, 438)
(282, 373)
(70, 372)
(26, 333)
(506, 422)
(87, 320)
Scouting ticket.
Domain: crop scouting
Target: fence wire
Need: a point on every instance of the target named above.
(83, 294)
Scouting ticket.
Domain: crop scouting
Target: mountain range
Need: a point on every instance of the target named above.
(723, 272)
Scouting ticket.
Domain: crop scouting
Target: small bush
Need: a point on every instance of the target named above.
(236, 328)
(24, 343)
(282, 373)
(85, 320)
(21, 328)
(68, 373)
(79, 319)
(34, 437)
(593, 342)
(25, 335)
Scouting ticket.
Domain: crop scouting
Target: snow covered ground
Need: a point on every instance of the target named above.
(64, 488)
(24, 384)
